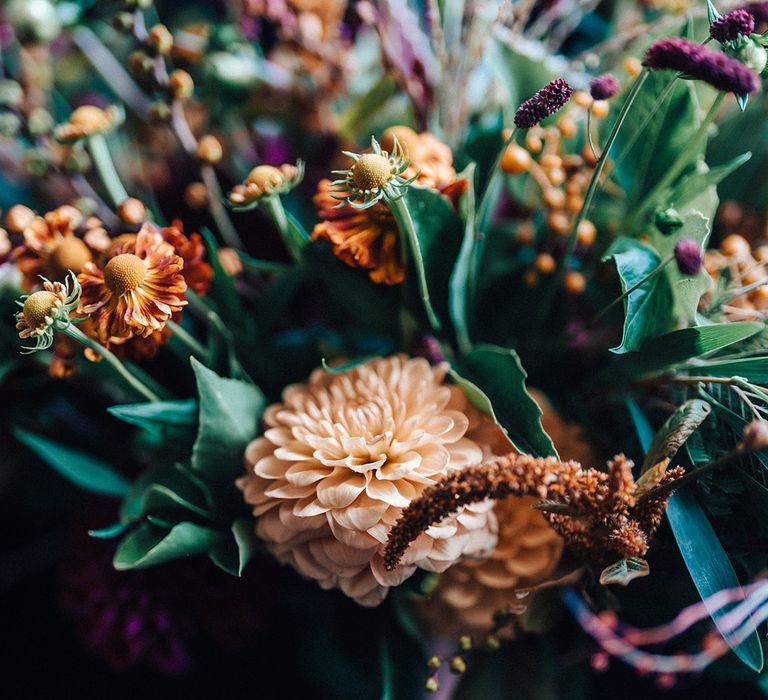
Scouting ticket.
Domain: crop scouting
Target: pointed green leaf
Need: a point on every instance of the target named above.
(494, 381)
(149, 545)
(174, 415)
(80, 468)
(229, 415)
(675, 431)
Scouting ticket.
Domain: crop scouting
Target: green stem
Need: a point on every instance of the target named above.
(680, 163)
(102, 160)
(588, 197)
(293, 237)
(76, 334)
(589, 132)
(194, 346)
(491, 191)
(405, 224)
(633, 288)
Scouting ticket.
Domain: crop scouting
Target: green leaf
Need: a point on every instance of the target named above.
(222, 291)
(229, 415)
(439, 231)
(753, 369)
(461, 270)
(669, 299)
(107, 533)
(704, 556)
(672, 349)
(80, 468)
(624, 571)
(234, 554)
(149, 544)
(494, 382)
(675, 431)
(175, 416)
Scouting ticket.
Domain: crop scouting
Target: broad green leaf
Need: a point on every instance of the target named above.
(149, 545)
(82, 469)
(494, 381)
(754, 369)
(439, 231)
(180, 501)
(229, 415)
(461, 271)
(702, 552)
(648, 311)
(675, 431)
(175, 416)
(234, 554)
(624, 571)
(675, 348)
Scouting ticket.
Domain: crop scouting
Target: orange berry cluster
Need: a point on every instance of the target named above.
(738, 268)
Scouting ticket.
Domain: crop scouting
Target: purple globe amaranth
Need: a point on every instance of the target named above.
(688, 256)
(603, 87)
(731, 26)
(546, 101)
(697, 61)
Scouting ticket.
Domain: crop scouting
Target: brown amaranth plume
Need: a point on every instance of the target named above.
(595, 512)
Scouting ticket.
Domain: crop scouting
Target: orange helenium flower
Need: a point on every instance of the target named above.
(139, 288)
(366, 238)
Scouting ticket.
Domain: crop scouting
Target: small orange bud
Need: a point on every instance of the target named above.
(582, 98)
(600, 109)
(588, 156)
(554, 198)
(574, 203)
(131, 211)
(515, 160)
(556, 176)
(209, 150)
(586, 232)
(574, 282)
(558, 222)
(18, 218)
(533, 142)
(567, 127)
(545, 263)
(530, 278)
(633, 66)
(196, 195)
(735, 245)
(550, 160)
(180, 84)
(161, 39)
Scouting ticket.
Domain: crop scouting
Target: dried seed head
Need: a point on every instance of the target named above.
(38, 307)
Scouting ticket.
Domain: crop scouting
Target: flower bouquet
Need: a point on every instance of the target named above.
(392, 348)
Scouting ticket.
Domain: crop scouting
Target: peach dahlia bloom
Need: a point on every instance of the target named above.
(343, 454)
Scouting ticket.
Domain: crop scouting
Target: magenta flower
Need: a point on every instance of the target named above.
(603, 87)
(546, 101)
(688, 256)
(733, 25)
(697, 61)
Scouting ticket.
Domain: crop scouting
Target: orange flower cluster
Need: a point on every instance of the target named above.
(368, 238)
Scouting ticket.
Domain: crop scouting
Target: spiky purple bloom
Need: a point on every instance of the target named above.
(688, 256)
(603, 87)
(697, 61)
(731, 26)
(546, 101)
(759, 10)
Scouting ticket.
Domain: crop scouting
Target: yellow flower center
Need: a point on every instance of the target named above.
(265, 177)
(89, 118)
(70, 254)
(124, 273)
(37, 307)
(371, 172)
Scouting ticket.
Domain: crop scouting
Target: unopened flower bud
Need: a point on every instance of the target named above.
(132, 211)
(434, 662)
(161, 39)
(755, 436)
(603, 87)
(196, 195)
(209, 150)
(140, 64)
(668, 221)
(431, 686)
(33, 20)
(180, 84)
(18, 218)
(11, 93)
(749, 52)
(465, 642)
(77, 161)
(160, 112)
(458, 665)
(491, 643)
(40, 121)
(123, 22)
(10, 124)
(688, 256)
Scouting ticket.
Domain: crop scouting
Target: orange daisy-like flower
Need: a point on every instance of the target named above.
(197, 273)
(139, 288)
(51, 248)
(366, 238)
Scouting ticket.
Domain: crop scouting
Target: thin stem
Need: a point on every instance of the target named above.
(693, 475)
(490, 193)
(681, 162)
(192, 344)
(633, 288)
(588, 197)
(589, 132)
(76, 334)
(293, 238)
(405, 224)
(106, 169)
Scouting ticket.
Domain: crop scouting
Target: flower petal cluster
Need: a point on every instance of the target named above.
(698, 61)
(731, 26)
(340, 458)
(603, 87)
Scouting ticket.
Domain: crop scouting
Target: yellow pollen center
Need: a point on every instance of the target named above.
(37, 307)
(89, 118)
(265, 177)
(70, 254)
(124, 273)
(371, 172)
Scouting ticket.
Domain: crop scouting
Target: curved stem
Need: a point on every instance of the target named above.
(405, 224)
(76, 334)
(490, 193)
(293, 238)
(192, 344)
(102, 160)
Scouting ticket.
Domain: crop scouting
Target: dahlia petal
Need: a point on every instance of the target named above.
(340, 489)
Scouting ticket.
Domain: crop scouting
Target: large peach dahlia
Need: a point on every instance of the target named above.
(343, 454)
